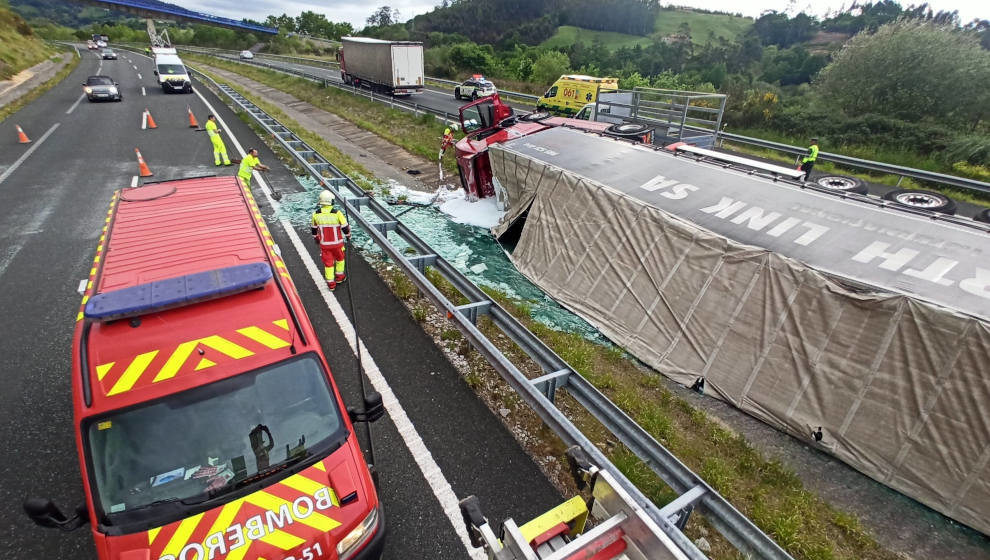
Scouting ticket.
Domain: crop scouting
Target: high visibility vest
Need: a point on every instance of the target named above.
(212, 129)
(247, 164)
(329, 223)
(812, 154)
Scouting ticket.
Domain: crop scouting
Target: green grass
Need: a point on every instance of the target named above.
(417, 134)
(19, 47)
(874, 153)
(568, 35)
(35, 93)
(702, 25)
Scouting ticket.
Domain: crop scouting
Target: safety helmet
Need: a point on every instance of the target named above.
(326, 198)
(446, 131)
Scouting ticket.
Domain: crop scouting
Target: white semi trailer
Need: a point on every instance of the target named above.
(393, 67)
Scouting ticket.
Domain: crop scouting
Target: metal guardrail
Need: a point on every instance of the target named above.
(538, 393)
(901, 172)
(389, 100)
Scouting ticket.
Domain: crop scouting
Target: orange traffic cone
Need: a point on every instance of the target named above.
(192, 118)
(151, 121)
(21, 137)
(142, 166)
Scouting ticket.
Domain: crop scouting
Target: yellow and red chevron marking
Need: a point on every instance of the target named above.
(158, 365)
(260, 221)
(96, 259)
(264, 524)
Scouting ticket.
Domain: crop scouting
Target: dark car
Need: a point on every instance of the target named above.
(108, 54)
(474, 87)
(102, 88)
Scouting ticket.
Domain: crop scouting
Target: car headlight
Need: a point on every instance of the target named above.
(113, 91)
(358, 536)
(88, 90)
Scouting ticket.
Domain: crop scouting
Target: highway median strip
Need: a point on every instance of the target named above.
(419, 135)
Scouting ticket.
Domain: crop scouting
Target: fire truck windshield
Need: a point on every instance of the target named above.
(195, 445)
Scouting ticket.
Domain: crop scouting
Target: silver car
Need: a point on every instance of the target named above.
(102, 88)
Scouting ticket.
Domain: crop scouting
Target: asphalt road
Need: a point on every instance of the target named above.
(434, 99)
(55, 194)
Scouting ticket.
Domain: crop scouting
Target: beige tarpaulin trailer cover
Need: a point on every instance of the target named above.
(806, 310)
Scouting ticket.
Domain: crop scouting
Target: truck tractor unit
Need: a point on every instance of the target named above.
(390, 67)
(208, 424)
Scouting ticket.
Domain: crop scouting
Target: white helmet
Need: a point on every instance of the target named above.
(326, 198)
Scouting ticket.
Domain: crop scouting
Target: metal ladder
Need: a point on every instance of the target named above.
(666, 522)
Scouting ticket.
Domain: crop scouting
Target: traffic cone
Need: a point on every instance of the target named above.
(151, 121)
(21, 137)
(192, 118)
(142, 166)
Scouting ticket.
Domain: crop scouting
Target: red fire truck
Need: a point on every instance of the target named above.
(207, 421)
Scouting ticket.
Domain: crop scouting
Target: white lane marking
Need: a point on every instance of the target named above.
(139, 76)
(82, 286)
(6, 259)
(142, 90)
(135, 66)
(73, 108)
(420, 453)
(144, 120)
(134, 181)
(28, 153)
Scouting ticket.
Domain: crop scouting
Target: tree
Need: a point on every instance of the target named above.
(549, 66)
(911, 70)
(383, 16)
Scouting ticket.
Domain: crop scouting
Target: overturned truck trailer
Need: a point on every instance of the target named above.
(864, 330)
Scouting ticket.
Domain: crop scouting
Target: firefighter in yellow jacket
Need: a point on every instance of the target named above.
(329, 228)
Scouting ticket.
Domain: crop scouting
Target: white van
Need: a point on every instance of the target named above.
(172, 74)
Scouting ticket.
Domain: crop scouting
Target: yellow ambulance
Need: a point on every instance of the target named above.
(571, 92)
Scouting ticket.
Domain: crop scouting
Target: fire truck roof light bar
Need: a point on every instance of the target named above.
(177, 292)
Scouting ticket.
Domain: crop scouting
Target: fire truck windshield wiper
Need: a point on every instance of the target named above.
(264, 473)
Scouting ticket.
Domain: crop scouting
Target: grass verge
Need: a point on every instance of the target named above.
(419, 135)
(35, 93)
(765, 490)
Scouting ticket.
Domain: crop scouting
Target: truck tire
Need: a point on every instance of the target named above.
(841, 183)
(628, 131)
(535, 116)
(924, 200)
(983, 216)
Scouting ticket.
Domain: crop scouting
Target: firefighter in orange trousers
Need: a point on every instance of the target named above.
(329, 227)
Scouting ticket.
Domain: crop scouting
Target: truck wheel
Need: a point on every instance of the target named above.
(924, 200)
(983, 216)
(842, 183)
(628, 131)
(535, 116)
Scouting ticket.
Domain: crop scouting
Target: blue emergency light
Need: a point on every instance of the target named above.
(177, 292)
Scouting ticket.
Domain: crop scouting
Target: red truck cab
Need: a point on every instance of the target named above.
(488, 121)
(207, 422)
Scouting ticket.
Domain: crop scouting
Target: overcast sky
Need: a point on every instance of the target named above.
(357, 11)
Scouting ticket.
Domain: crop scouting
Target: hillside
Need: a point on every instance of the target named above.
(19, 47)
(702, 25)
(568, 35)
